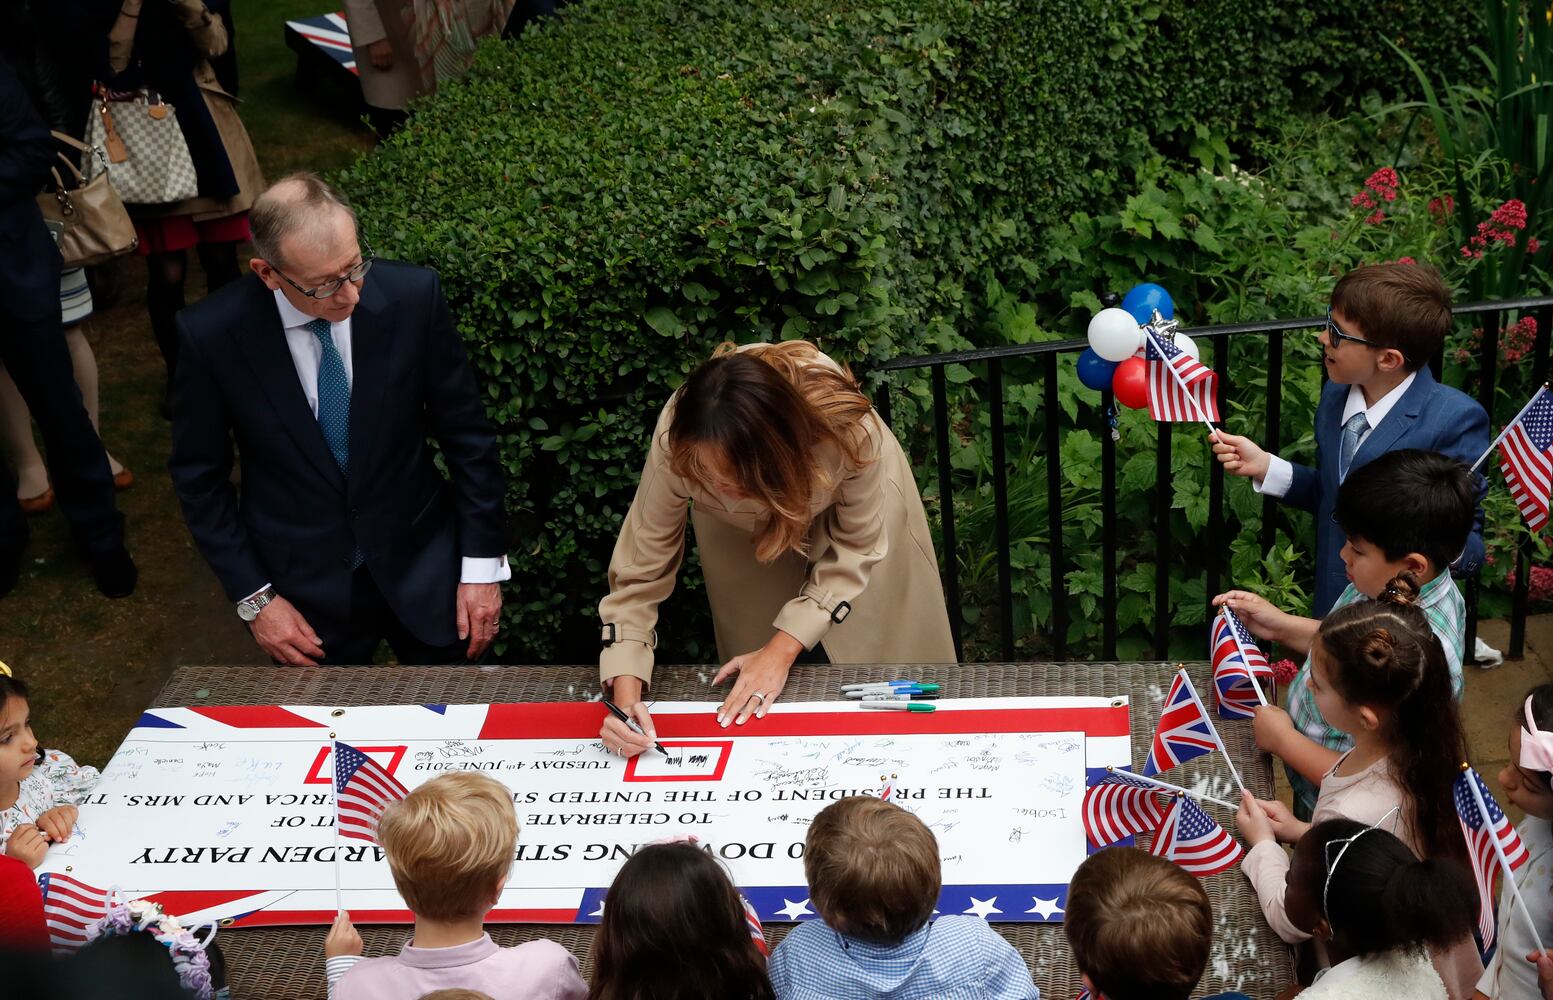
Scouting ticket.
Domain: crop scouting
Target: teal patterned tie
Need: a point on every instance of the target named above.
(1352, 431)
(334, 396)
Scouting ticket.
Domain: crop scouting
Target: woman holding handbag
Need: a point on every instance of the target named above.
(44, 66)
(165, 46)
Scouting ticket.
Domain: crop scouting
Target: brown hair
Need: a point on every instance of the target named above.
(872, 868)
(1139, 927)
(674, 928)
(766, 412)
(1385, 656)
(449, 843)
(1405, 306)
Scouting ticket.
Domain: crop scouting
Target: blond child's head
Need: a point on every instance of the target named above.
(873, 869)
(1139, 927)
(450, 844)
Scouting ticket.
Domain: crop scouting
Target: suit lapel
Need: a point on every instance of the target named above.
(372, 345)
(264, 348)
(1399, 421)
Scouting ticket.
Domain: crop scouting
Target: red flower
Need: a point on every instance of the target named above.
(1375, 218)
(1499, 228)
(1532, 246)
(1404, 260)
(1441, 208)
(1284, 671)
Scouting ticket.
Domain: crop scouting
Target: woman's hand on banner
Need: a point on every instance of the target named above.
(617, 736)
(762, 675)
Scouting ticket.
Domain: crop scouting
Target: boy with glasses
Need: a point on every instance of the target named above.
(1385, 323)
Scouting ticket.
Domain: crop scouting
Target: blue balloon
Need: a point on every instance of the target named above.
(1147, 297)
(1095, 371)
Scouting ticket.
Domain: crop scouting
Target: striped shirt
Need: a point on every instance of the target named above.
(1442, 603)
(953, 958)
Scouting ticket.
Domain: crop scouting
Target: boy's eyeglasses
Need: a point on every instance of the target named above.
(1335, 335)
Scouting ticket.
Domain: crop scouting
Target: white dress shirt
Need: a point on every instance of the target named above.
(306, 355)
(1280, 474)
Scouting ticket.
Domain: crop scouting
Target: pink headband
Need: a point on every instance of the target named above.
(1536, 745)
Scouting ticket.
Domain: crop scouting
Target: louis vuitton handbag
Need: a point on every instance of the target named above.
(147, 159)
(93, 225)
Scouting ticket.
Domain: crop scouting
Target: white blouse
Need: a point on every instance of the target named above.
(58, 781)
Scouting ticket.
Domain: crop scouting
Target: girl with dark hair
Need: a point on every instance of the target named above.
(675, 928)
(808, 523)
(39, 789)
(1378, 673)
(1527, 781)
(1380, 910)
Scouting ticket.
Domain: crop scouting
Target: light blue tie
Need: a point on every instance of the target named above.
(334, 406)
(1353, 430)
(334, 396)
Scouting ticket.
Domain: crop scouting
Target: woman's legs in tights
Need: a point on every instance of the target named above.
(219, 261)
(165, 275)
(85, 364)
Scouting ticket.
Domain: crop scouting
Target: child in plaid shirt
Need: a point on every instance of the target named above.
(1407, 511)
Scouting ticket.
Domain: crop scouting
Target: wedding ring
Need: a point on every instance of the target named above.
(760, 695)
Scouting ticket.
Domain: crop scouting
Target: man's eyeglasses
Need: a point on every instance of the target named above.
(1335, 335)
(330, 288)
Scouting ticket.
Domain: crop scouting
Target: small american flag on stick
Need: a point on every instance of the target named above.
(69, 908)
(1180, 386)
(362, 790)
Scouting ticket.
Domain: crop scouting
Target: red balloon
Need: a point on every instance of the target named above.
(1131, 383)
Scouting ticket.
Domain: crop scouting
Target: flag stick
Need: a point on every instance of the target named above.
(1509, 876)
(1209, 720)
(1148, 333)
(1234, 633)
(1540, 390)
(334, 787)
(1165, 786)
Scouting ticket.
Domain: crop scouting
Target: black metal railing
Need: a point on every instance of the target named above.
(1045, 357)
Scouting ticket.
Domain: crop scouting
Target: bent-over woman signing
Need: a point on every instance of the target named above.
(809, 525)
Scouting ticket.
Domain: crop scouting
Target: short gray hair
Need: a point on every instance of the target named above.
(293, 204)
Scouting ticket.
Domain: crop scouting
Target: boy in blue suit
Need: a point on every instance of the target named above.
(1384, 324)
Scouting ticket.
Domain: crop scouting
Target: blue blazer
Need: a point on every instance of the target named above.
(1429, 416)
(296, 521)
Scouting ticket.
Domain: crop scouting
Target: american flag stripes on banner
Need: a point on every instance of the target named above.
(1120, 805)
(1175, 380)
(362, 790)
(1183, 731)
(1192, 839)
(757, 933)
(1235, 663)
(69, 908)
(1523, 454)
(1480, 836)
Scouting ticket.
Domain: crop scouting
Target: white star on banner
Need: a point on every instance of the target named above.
(598, 912)
(792, 910)
(983, 908)
(1045, 908)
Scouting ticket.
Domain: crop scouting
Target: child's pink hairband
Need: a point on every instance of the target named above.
(1536, 744)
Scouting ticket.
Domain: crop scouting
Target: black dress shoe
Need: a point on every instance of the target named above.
(115, 573)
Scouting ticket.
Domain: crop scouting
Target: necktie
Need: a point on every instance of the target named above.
(1353, 430)
(334, 396)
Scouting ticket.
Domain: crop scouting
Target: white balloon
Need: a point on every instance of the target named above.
(1188, 345)
(1114, 334)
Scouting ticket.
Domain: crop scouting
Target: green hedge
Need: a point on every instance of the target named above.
(637, 180)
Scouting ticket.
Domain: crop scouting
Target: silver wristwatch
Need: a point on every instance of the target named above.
(249, 610)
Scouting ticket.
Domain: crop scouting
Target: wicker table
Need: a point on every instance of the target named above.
(284, 963)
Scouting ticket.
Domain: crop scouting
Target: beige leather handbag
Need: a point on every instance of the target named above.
(96, 226)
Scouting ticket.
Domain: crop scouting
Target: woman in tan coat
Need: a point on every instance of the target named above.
(809, 526)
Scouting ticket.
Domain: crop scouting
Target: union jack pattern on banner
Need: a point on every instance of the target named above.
(1171, 369)
(328, 33)
(1480, 845)
(1183, 731)
(1120, 805)
(69, 908)
(1528, 468)
(1195, 841)
(1235, 664)
(362, 791)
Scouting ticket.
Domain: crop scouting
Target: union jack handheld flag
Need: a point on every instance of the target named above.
(69, 909)
(1524, 456)
(362, 790)
(1192, 839)
(1241, 672)
(1118, 806)
(1490, 840)
(1180, 386)
(1183, 733)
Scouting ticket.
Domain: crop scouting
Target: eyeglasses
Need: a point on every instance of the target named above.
(1335, 335)
(330, 288)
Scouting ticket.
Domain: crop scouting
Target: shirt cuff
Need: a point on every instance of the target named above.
(1280, 476)
(807, 617)
(485, 569)
(335, 968)
(256, 593)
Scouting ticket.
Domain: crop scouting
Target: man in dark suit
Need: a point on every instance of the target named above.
(330, 369)
(32, 348)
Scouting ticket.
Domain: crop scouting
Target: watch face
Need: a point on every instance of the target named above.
(246, 611)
